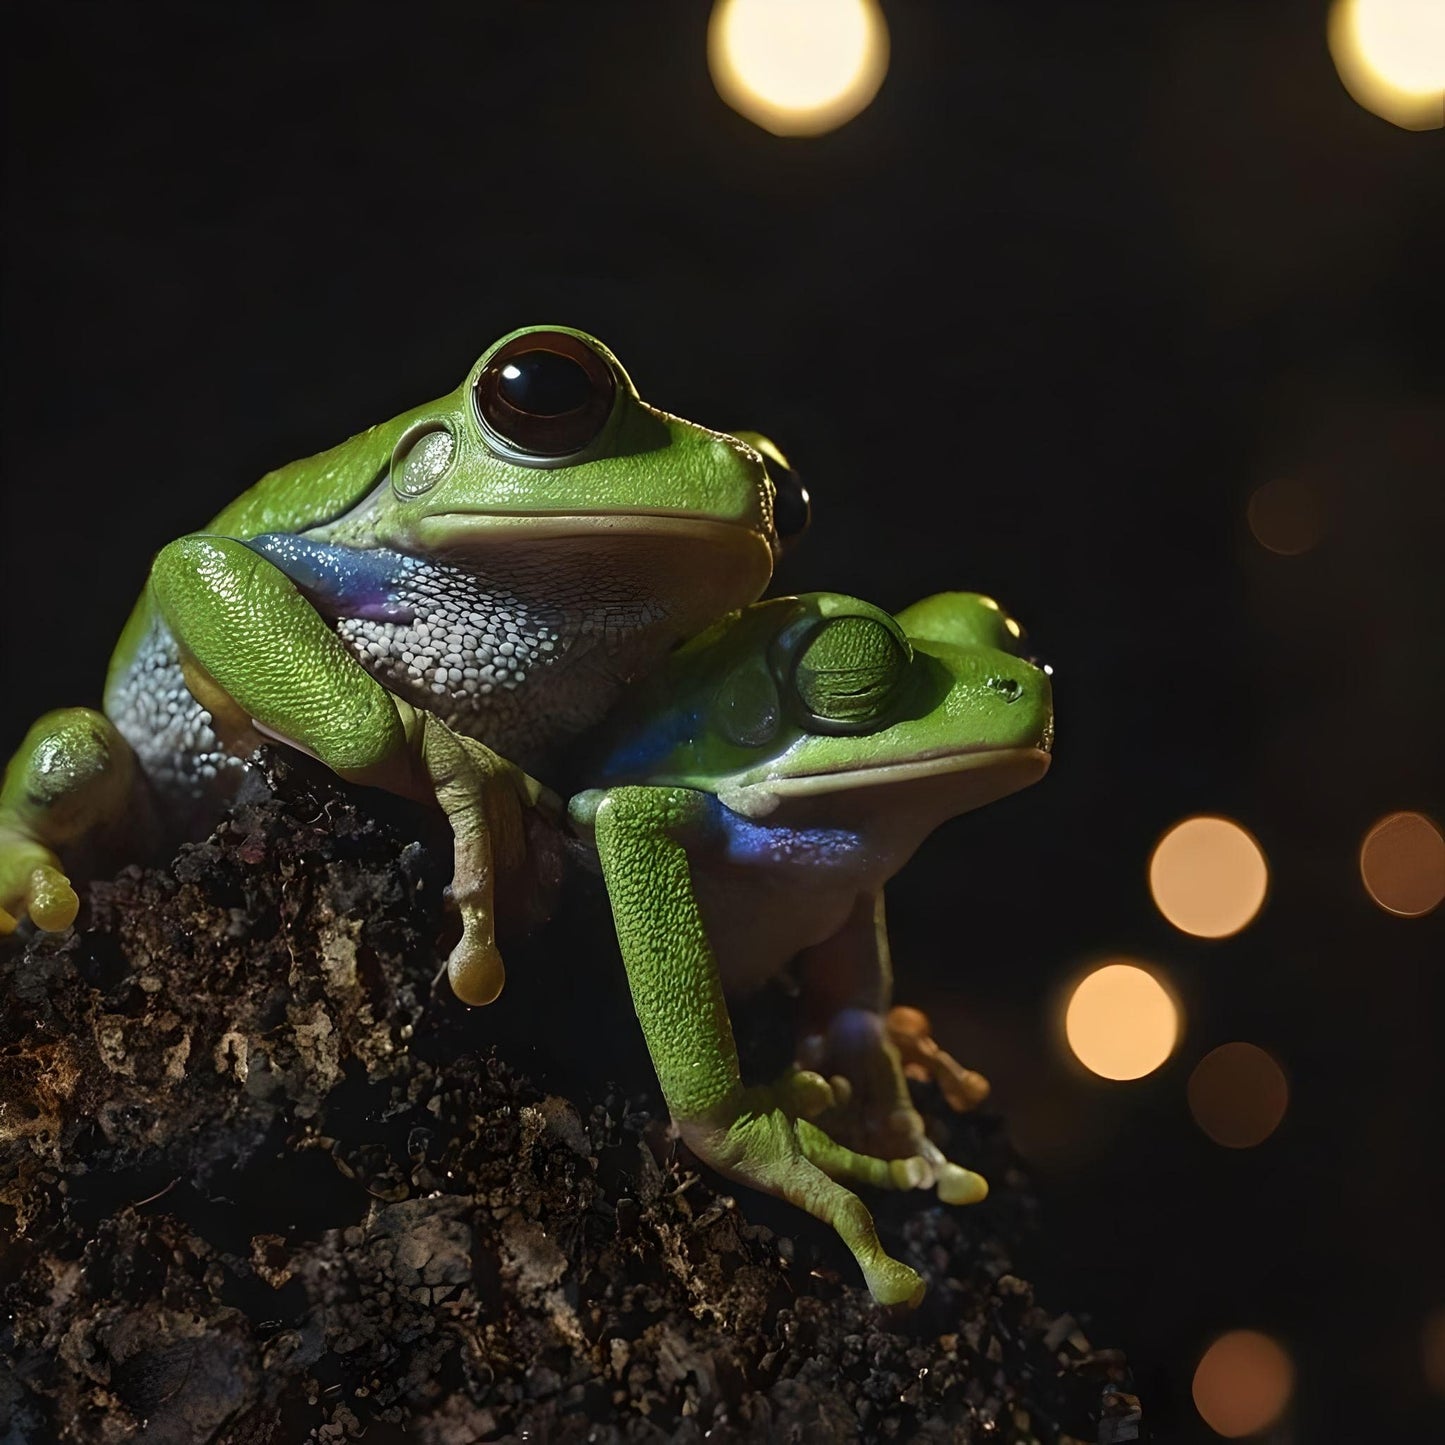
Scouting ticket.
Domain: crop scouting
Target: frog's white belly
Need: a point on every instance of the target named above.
(500, 667)
(170, 731)
(519, 676)
(758, 921)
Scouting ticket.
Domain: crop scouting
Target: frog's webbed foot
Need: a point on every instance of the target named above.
(760, 1140)
(872, 1110)
(484, 798)
(910, 1032)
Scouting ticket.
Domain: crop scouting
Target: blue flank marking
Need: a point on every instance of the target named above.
(341, 581)
(774, 844)
(641, 750)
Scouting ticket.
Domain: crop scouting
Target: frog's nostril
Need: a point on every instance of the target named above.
(1008, 688)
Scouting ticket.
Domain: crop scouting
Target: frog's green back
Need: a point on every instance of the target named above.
(314, 490)
(293, 498)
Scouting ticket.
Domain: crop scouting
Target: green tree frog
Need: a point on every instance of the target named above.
(427, 608)
(755, 794)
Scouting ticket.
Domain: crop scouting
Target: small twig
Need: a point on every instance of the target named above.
(151, 1199)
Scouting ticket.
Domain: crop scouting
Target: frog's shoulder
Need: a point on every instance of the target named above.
(314, 490)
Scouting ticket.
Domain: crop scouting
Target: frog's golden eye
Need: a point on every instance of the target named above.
(850, 673)
(545, 394)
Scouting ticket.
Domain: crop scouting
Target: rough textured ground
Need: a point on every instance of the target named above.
(263, 1180)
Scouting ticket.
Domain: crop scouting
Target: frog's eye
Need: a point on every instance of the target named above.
(792, 506)
(545, 394)
(850, 672)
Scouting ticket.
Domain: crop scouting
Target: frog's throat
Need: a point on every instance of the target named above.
(701, 566)
(999, 771)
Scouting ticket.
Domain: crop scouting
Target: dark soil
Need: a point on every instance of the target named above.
(263, 1180)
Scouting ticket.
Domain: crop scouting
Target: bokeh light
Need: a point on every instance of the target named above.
(1243, 1383)
(1285, 516)
(1402, 863)
(1390, 55)
(797, 67)
(1238, 1095)
(1432, 1350)
(1208, 876)
(1121, 1022)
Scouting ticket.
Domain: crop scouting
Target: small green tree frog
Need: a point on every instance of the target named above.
(754, 795)
(428, 608)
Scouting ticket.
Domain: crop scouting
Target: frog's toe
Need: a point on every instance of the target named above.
(891, 1282)
(53, 902)
(911, 1033)
(912, 1173)
(957, 1185)
(476, 972)
(806, 1093)
(37, 889)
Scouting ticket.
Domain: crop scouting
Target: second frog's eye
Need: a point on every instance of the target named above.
(545, 394)
(792, 506)
(849, 674)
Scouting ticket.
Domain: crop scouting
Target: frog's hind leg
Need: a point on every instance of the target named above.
(72, 783)
(847, 984)
(754, 1135)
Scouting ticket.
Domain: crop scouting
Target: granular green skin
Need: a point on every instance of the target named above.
(263, 1180)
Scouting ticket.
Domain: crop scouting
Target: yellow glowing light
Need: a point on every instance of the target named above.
(1285, 517)
(1402, 862)
(1121, 1022)
(1243, 1383)
(797, 67)
(1208, 876)
(1391, 58)
(1238, 1095)
(1432, 1350)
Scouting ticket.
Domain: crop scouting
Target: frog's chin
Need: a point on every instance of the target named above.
(949, 783)
(682, 571)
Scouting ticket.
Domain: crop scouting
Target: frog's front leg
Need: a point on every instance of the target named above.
(847, 984)
(482, 796)
(258, 656)
(753, 1135)
(72, 783)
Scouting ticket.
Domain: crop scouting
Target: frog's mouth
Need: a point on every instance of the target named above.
(468, 530)
(691, 564)
(957, 781)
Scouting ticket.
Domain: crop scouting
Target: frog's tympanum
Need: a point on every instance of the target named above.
(426, 608)
(755, 795)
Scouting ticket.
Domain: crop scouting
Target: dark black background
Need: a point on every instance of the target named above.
(1036, 324)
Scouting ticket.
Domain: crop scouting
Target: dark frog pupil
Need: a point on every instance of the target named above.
(545, 394)
(792, 507)
(542, 383)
